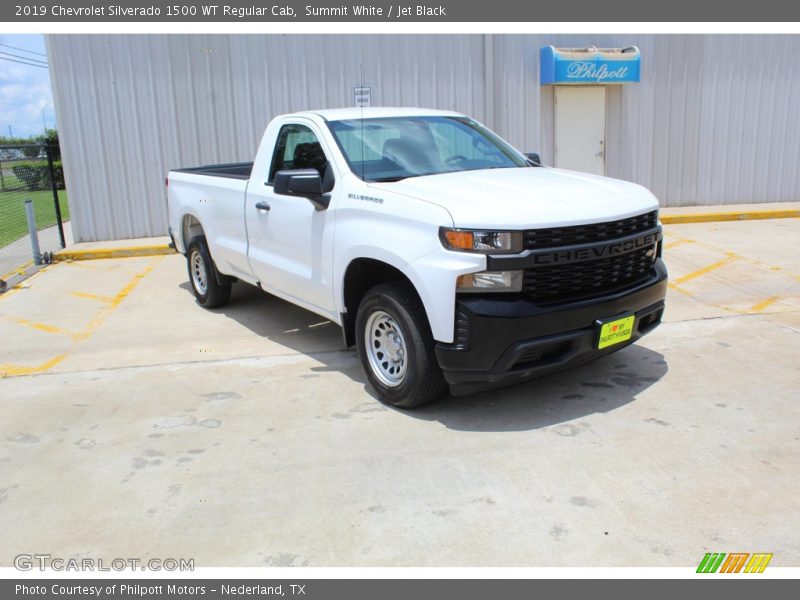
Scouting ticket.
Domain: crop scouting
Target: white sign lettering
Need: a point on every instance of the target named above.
(594, 71)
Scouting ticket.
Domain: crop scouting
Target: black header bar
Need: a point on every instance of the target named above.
(386, 589)
(444, 11)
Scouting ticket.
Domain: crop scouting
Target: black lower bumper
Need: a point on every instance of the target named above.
(502, 341)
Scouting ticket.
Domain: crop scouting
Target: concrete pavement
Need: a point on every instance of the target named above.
(138, 424)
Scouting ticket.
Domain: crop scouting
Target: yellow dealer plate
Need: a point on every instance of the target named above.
(615, 332)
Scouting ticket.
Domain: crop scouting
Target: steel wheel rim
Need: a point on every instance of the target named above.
(386, 348)
(199, 276)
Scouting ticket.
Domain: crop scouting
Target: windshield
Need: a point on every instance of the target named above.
(395, 148)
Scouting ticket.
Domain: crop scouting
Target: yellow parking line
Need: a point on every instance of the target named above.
(115, 301)
(13, 370)
(764, 304)
(674, 286)
(9, 370)
(87, 296)
(677, 243)
(10, 292)
(38, 326)
(18, 271)
(753, 261)
(694, 274)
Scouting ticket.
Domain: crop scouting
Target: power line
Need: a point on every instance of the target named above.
(33, 60)
(23, 50)
(23, 63)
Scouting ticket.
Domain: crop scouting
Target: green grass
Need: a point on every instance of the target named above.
(11, 181)
(13, 223)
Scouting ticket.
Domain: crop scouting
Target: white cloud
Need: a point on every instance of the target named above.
(24, 90)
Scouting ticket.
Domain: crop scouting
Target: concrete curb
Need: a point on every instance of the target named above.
(100, 253)
(729, 215)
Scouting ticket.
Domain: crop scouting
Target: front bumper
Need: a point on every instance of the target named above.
(502, 341)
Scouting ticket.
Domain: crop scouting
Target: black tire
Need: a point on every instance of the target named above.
(203, 276)
(397, 306)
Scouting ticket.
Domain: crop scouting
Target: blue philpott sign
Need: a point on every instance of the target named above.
(598, 66)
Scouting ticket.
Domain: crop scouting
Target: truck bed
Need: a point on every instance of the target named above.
(231, 170)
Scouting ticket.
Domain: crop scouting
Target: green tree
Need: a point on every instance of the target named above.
(15, 141)
(51, 139)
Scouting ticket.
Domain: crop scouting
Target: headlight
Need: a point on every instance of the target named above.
(490, 281)
(489, 242)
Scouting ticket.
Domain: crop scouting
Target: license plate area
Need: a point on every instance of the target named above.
(611, 332)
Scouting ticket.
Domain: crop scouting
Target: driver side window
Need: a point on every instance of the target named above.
(297, 148)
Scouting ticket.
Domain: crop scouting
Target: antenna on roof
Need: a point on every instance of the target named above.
(361, 103)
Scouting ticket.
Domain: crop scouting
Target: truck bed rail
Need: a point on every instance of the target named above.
(230, 170)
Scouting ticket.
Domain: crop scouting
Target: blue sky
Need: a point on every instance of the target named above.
(24, 90)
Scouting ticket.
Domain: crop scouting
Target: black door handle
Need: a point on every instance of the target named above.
(262, 205)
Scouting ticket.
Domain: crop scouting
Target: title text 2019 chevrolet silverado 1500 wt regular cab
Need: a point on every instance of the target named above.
(446, 256)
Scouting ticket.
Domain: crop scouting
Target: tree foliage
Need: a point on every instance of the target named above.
(31, 146)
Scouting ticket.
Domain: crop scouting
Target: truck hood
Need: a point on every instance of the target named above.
(526, 198)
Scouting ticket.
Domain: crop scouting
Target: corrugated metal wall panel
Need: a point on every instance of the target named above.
(131, 107)
(713, 121)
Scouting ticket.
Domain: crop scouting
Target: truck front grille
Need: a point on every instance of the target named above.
(553, 237)
(591, 278)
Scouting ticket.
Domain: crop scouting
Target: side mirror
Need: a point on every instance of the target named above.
(306, 183)
(533, 159)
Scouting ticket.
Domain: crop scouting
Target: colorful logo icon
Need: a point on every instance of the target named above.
(734, 562)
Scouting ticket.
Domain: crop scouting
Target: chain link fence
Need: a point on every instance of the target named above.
(30, 175)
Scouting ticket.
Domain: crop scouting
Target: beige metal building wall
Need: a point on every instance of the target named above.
(713, 121)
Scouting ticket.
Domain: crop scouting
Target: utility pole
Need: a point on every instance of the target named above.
(44, 122)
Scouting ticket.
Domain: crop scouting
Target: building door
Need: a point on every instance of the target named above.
(580, 128)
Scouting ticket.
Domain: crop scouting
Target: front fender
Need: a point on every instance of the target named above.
(402, 232)
(433, 276)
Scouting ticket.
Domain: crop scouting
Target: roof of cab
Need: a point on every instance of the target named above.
(342, 114)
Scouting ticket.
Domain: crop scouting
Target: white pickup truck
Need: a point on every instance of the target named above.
(447, 257)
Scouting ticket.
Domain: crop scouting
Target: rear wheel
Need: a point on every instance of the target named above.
(203, 276)
(395, 346)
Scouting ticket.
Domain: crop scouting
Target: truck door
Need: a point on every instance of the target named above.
(290, 240)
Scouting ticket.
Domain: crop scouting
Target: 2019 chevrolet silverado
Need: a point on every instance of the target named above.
(448, 258)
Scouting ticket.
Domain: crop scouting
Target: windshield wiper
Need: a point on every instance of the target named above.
(390, 179)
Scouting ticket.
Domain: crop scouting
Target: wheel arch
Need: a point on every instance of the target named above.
(361, 275)
(191, 227)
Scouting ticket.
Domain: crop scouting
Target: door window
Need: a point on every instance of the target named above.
(297, 148)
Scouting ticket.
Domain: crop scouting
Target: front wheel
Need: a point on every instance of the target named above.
(208, 291)
(395, 346)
